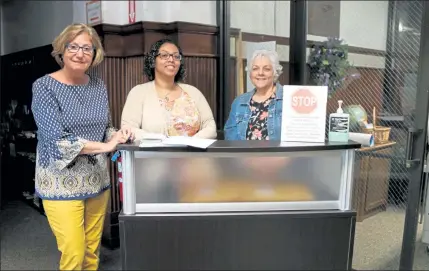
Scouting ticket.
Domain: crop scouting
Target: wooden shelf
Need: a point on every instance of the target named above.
(371, 180)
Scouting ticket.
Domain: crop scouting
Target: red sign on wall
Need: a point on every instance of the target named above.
(131, 11)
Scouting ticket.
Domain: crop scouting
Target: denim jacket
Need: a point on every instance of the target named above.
(237, 123)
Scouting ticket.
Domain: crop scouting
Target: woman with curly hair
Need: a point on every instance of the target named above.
(164, 105)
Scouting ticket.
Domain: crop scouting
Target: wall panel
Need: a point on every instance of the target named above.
(201, 72)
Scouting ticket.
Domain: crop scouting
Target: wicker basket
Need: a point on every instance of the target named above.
(381, 134)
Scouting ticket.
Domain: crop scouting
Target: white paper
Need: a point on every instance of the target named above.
(152, 140)
(93, 12)
(364, 139)
(201, 143)
(304, 113)
(178, 141)
(151, 143)
(153, 136)
(189, 141)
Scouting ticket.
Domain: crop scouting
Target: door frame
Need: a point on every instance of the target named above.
(416, 148)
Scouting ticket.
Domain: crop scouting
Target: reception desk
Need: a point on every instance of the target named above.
(238, 205)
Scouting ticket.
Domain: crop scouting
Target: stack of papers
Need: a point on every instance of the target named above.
(152, 140)
(158, 140)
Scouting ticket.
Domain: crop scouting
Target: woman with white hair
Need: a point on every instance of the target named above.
(256, 115)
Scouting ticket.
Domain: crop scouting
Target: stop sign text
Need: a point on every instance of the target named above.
(303, 101)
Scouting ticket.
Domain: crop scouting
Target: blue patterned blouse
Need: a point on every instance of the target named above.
(67, 116)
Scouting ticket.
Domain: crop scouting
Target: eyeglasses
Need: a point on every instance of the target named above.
(74, 48)
(166, 56)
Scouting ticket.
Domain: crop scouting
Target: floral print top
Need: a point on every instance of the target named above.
(257, 128)
(67, 116)
(182, 116)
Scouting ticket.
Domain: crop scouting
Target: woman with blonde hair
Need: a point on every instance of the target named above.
(71, 111)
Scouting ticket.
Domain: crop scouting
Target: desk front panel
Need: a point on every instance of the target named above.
(304, 180)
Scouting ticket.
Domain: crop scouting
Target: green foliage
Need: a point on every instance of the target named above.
(328, 64)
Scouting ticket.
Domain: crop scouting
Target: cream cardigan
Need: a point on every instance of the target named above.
(143, 111)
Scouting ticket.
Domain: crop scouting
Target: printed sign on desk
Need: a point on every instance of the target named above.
(304, 113)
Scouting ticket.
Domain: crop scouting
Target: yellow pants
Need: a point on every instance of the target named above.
(78, 226)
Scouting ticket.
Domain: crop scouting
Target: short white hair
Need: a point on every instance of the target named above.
(274, 59)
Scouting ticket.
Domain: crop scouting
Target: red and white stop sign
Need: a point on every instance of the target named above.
(303, 101)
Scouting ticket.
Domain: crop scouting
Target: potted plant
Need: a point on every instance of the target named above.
(329, 65)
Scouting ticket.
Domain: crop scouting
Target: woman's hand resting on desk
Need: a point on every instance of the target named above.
(120, 137)
(91, 147)
(128, 132)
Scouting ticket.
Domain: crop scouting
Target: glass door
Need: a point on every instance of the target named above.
(257, 25)
(374, 57)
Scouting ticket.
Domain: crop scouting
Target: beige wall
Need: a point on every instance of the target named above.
(28, 24)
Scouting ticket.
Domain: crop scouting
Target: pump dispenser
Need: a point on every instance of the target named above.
(340, 109)
(339, 125)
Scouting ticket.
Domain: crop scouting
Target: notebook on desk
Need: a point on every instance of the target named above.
(159, 140)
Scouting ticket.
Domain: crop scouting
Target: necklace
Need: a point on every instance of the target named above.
(165, 100)
(166, 97)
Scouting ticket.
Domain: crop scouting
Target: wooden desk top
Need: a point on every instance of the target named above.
(377, 146)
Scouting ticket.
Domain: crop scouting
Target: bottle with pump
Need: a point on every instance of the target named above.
(339, 125)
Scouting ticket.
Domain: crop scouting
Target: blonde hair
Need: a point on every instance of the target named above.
(70, 33)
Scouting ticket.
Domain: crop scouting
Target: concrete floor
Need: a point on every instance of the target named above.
(27, 242)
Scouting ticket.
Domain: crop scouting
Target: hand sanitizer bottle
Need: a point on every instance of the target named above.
(339, 125)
